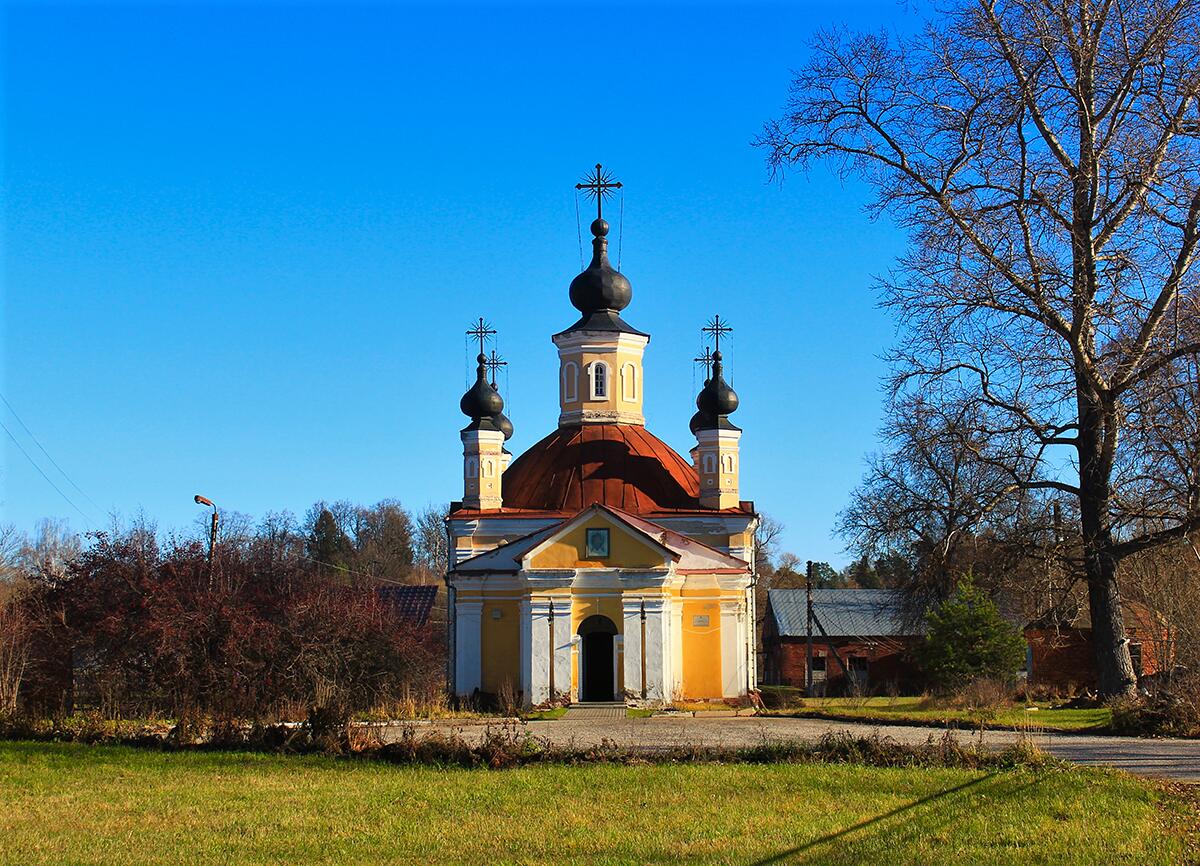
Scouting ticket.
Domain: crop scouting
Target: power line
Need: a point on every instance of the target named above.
(42, 448)
(57, 489)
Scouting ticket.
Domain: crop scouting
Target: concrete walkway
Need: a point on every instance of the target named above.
(590, 712)
(1170, 759)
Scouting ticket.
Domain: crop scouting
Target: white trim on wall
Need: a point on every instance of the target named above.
(570, 382)
(629, 383)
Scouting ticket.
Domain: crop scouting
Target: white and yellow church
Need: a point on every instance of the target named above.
(600, 565)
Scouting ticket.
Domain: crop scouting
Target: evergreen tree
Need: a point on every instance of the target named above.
(968, 639)
(327, 544)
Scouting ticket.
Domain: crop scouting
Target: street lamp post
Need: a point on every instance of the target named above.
(212, 536)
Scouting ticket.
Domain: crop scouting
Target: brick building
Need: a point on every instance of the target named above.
(865, 647)
(1061, 656)
(868, 641)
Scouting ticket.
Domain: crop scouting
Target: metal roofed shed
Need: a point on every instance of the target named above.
(862, 641)
(843, 612)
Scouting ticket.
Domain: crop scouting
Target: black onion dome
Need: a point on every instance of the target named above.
(716, 400)
(503, 425)
(600, 286)
(481, 403)
(601, 291)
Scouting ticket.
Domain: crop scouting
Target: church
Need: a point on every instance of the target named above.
(601, 565)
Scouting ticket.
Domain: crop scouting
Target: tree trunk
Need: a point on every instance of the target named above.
(1114, 667)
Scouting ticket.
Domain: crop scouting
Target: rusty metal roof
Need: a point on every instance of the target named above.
(620, 465)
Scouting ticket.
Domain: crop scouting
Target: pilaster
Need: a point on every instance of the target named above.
(467, 650)
(635, 681)
(563, 643)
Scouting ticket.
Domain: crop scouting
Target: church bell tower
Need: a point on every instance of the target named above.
(600, 356)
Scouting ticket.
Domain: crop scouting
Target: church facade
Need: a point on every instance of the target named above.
(601, 565)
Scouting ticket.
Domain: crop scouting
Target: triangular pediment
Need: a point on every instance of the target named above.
(598, 538)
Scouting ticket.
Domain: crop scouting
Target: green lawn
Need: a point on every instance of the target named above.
(106, 804)
(921, 710)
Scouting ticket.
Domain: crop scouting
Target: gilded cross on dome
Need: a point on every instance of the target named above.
(599, 185)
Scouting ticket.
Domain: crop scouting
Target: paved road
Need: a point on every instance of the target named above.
(1172, 759)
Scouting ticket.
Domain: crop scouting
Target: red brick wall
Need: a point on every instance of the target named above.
(1065, 659)
(887, 661)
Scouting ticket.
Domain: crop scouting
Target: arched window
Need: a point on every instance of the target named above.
(472, 468)
(599, 376)
(728, 461)
(629, 383)
(710, 463)
(570, 382)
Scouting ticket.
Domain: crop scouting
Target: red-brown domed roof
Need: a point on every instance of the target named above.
(620, 465)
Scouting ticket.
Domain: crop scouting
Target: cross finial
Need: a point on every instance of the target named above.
(494, 363)
(481, 330)
(706, 360)
(599, 184)
(717, 328)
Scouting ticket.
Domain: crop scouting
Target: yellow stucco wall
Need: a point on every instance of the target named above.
(499, 645)
(617, 398)
(625, 550)
(701, 645)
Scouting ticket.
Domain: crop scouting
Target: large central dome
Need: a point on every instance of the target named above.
(620, 465)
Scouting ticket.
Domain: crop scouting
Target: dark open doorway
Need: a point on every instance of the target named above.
(597, 665)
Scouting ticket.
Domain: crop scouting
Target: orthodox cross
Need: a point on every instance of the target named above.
(706, 360)
(481, 331)
(599, 185)
(494, 363)
(717, 328)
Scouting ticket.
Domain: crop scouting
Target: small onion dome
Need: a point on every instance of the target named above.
(716, 400)
(503, 425)
(481, 403)
(600, 286)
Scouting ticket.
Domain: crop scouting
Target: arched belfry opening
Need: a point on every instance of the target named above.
(597, 659)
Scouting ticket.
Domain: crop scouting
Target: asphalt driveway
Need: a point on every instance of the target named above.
(1169, 759)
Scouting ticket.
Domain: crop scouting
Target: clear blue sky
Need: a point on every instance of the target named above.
(242, 244)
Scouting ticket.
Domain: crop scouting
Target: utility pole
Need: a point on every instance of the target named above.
(808, 668)
(212, 535)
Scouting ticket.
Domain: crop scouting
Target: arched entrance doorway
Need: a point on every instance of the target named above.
(597, 659)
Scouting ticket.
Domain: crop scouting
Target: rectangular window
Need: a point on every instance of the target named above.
(597, 543)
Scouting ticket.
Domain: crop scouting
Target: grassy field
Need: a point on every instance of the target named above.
(105, 804)
(922, 711)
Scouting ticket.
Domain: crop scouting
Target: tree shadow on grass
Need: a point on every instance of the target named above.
(922, 817)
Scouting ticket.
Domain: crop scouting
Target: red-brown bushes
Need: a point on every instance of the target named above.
(148, 631)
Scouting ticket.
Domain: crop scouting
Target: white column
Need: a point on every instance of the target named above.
(658, 649)
(732, 650)
(562, 644)
(467, 656)
(631, 608)
(677, 647)
(745, 649)
(539, 650)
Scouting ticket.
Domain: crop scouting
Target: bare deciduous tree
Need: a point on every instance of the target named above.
(1044, 157)
(432, 543)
